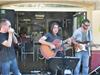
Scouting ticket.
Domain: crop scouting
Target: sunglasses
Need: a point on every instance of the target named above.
(9, 25)
(86, 25)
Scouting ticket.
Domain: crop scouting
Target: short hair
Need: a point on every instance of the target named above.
(84, 21)
(2, 21)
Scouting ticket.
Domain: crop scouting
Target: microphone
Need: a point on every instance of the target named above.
(16, 34)
(13, 31)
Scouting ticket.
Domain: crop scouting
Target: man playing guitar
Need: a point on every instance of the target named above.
(81, 39)
(52, 46)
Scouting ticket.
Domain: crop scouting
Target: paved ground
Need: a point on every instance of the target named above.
(28, 65)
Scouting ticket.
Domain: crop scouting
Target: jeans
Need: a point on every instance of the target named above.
(12, 64)
(84, 60)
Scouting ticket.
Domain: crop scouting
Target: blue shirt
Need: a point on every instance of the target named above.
(6, 53)
(78, 35)
(50, 38)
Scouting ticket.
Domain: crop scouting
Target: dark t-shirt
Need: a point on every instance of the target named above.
(51, 38)
(6, 53)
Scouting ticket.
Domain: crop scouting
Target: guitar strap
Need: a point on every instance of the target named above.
(89, 37)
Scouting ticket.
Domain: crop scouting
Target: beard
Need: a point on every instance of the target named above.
(85, 28)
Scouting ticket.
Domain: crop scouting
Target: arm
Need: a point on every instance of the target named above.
(15, 39)
(42, 41)
(8, 42)
(74, 38)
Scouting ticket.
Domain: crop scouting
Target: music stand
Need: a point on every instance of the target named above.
(63, 63)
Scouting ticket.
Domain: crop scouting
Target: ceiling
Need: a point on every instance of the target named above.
(96, 2)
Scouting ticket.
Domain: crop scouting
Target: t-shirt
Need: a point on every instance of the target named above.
(50, 38)
(78, 35)
(6, 53)
(84, 36)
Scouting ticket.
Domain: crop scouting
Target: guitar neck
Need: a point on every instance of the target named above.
(94, 45)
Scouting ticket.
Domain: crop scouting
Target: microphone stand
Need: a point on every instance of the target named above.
(63, 63)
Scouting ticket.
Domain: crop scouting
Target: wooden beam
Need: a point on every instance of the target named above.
(78, 3)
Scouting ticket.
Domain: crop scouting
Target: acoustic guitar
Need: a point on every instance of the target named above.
(48, 53)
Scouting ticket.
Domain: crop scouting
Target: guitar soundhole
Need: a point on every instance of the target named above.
(57, 43)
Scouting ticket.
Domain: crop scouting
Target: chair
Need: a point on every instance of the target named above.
(26, 49)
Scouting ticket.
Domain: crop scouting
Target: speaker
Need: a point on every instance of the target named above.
(8, 14)
(95, 71)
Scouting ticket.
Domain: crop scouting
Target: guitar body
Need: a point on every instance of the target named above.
(80, 47)
(47, 52)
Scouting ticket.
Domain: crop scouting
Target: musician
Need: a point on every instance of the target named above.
(7, 53)
(48, 39)
(82, 37)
